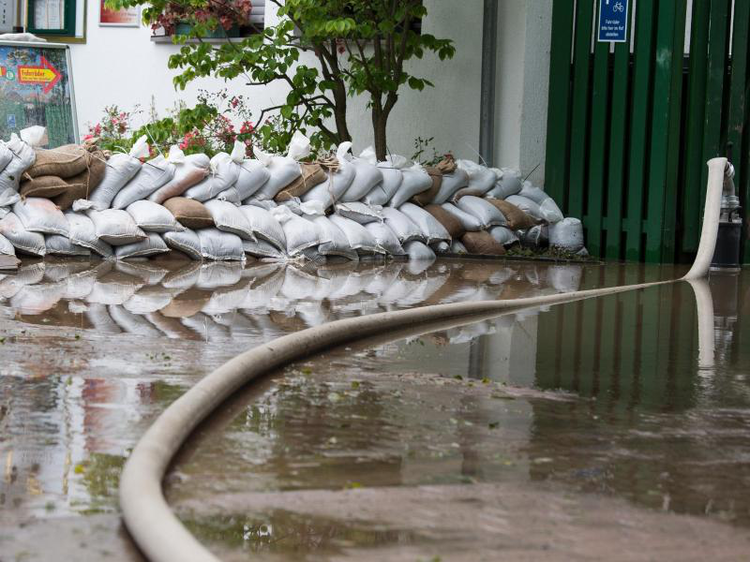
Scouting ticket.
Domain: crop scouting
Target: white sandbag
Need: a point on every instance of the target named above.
(384, 191)
(567, 234)
(229, 218)
(9, 197)
(402, 226)
(535, 237)
(283, 170)
(550, 211)
(458, 248)
(6, 248)
(41, 215)
(333, 189)
(5, 156)
(450, 185)
(267, 204)
(359, 237)
(121, 168)
(385, 238)
(334, 241)
(22, 158)
(441, 247)
(83, 233)
(503, 235)
(468, 221)
(185, 241)
(253, 176)
(152, 217)
(116, 227)
(262, 249)
(189, 171)
(481, 178)
(152, 175)
(530, 191)
(508, 183)
(486, 212)
(526, 205)
(429, 225)
(360, 212)
(218, 245)
(366, 176)
(23, 240)
(301, 234)
(264, 225)
(416, 180)
(151, 246)
(230, 195)
(418, 251)
(60, 245)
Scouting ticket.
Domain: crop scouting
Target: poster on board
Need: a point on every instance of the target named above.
(36, 88)
(126, 17)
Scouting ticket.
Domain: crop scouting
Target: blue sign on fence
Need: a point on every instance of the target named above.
(613, 21)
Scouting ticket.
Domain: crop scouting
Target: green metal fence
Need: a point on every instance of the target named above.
(632, 124)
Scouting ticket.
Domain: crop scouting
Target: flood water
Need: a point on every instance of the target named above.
(571, 432)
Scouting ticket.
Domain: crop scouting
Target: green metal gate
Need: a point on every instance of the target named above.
(632, 124)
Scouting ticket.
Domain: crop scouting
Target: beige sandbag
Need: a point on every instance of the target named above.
(312, 175)
(80, 186)
(189, 212)
(426, 197)
(449, 222)
(43, 186)
(64, 162)
(482, 243)
(517, 219)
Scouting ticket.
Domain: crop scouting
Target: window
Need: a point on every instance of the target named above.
(57, 20)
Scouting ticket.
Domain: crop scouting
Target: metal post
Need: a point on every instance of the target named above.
(489, 74)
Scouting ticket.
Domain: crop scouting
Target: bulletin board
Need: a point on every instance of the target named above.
(36, 88)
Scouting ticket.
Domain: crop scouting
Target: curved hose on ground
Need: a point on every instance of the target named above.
(153, 525)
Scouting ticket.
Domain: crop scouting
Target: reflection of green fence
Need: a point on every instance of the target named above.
(629, 132)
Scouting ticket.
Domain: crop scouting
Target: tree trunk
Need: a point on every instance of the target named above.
(339, 112)
(379, 128)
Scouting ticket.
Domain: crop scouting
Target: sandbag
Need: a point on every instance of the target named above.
(418, 251)
(382, 193)
(366, 176)
(448, 220)
(416, 180)
(486, 212)
(508, 183)
(229, 218)
(59, 245)
(517, 219)
(22, 158)
(185, 241)
(535, 237)
(425, 198)
(5, 156)
(441, 247)
(23, 240)
(43, 186)
(267, 204)
(116, 227)
(282, 171)
(41, 215)
(567, 234)
(429, 225)
(468, 222)
(360, 212)
(333, 240)
(264, 226)
(332, 190)
(253, 176)
(550, 211)
(300, 234)
(64, 162)
(121, 168)
(189, 213)
(154, 174)
(526, 205)
(481, 178)
(530, 191)
(6, 248)
(402, 226)
(482, 243)
(458, 248)
(83, 233)
(385, 238)
(9, 197)
(262, 249)
(218, 245)
(151, 246)
(152, 217)
(189, 171)
(230, 195)
(312, 175)
(82, 185)
(451, 183)
(359, 237)
(503, 235)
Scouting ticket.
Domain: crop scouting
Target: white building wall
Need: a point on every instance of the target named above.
(122, 66)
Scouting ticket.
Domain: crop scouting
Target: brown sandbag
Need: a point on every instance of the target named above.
(189, 212)
(82, 185)
(463, 192)
(517, 219)
(449, 222)
(426, 197)
(63, 162)
(482, 243)
(43, 186)
(312, 175)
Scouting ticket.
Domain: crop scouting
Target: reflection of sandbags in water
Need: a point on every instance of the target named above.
(188, 303)
(501, 275)
(227, 299)
(79, 285)
(57, 271)
(401, 289)
(150, 273)
(428, 287)
(26, 275)
(113, 288)
(565, 278)
(148, 299)
(298, 284)
(171, 327)
(183, 278)
(205, 326)
(287, 320)
(346, 283)
(384, 279)
(36, 299)
(534, 275)
(471, 332)
(132, 323)
(313, 313)
(263, 290)
(219, 274)
(98, 316)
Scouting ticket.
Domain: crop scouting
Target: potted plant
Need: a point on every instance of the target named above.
(209, 19)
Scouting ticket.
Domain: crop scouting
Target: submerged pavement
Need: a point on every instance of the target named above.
(588, 430)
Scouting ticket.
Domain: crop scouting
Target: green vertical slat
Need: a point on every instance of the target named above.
(642, 92)
(598, 135)
(558, 119)
(667, 58)
(696, 105)
(617, 139)
(580, 106)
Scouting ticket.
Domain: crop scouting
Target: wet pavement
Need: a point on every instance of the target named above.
(601, 425)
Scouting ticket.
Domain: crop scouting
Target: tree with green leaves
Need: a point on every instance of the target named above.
(360, 47)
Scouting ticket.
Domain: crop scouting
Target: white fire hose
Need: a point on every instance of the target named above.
(150, 521)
